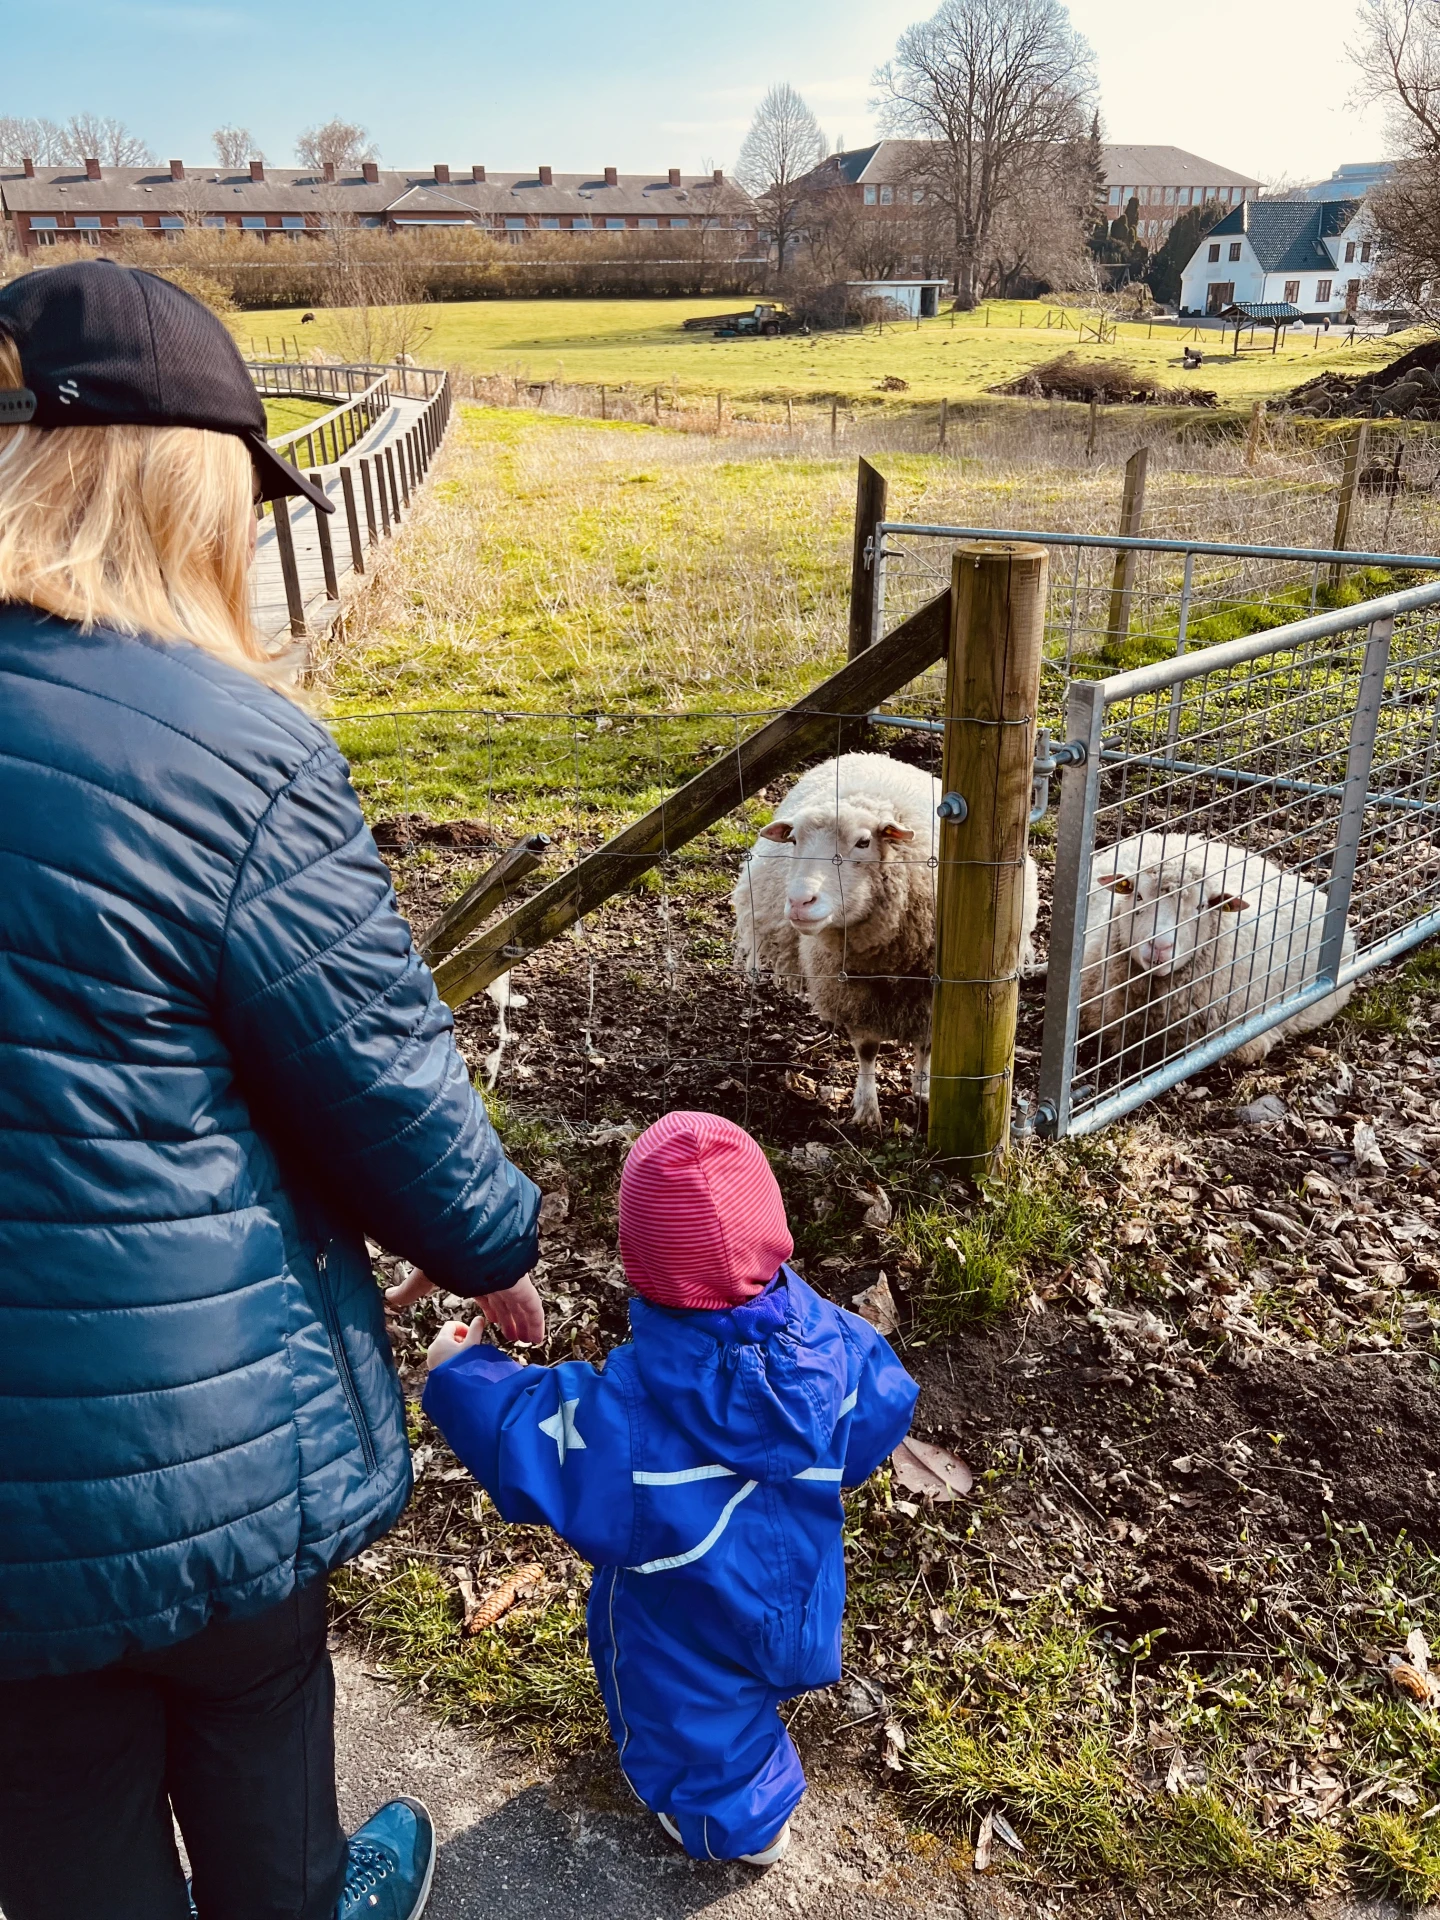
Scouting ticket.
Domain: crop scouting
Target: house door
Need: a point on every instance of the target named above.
(1352, 296)
(1219, 295)
(929, 302)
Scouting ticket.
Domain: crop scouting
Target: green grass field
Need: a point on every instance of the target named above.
(642, 343)
(288, 416)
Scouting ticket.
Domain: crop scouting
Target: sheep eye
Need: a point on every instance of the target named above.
(862, 842)
(1123, 886)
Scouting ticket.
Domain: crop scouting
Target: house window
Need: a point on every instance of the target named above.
(887, 196)
(1352, 296)
(1322, 292)
(1292, 292)
(293, 222)
(1234, 249)
(1219, 295)
(615, 226)
(1114, 196)
(88, 226)
(1209, 192)
(551, 225)
(917, 196)
(1364, 249)
(649, 225)
(1349, 251)
(171, 225)
(870, 196)
(1214, 252)
(1184, 196)
(515, 223)
(1169, 196)
(683, 221)
(210, 220)
(253, 220)
(130, 220)
(582, 223)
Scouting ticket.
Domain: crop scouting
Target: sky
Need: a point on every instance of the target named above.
(1263, 89)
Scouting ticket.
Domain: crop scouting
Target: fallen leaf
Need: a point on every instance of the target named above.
(1418, 1649)
(932, 1471)
(877, 1305)
(554, 1207)
(877, 1214)
(1411, 1681)
(894, 1745)
(983, 1843)
(1175, 1777)
(863, 1699)
(1133, 1233)
(1366, 1148)
(500, 1599)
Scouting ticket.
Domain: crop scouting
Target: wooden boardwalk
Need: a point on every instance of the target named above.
(269, 603)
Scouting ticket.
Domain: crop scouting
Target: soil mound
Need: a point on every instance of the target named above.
(1408, 389)
(1113, 383)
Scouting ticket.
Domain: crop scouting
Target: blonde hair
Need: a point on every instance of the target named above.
(142, 529)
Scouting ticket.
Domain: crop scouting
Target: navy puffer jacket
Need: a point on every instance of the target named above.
(221, 1065)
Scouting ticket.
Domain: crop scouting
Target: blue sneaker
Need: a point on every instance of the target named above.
(392, 1862)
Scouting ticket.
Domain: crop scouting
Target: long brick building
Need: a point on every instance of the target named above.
(91, 205)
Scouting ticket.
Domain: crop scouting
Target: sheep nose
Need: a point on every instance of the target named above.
(1155, 953)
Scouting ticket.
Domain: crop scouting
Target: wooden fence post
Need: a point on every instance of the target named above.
(834, 420)
(289, 572)
(1094, 422)
(327, 549)
(371, 527)
(870, 495)
(992, 689)
(352, 519)
(1256, 434)
(1349, 485)
(1122, 582)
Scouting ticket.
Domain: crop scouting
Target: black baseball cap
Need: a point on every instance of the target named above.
(103, 345)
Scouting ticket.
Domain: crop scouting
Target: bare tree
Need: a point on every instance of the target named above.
(783, 145)
(384, 319)
(339, 143)
(991, 87)
(29, 139)
(89, 136)
(234, 146)
(1398, 56)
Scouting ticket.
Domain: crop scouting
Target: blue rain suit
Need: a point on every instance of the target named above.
(700, 1473)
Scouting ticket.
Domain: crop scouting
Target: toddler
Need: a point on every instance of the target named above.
(700, 1473)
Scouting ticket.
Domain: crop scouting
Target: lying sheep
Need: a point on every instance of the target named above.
(1186, 936)
(838, 897)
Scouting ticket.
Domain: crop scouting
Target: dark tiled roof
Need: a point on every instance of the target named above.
(1286, 234)
(1167, 167)
(1280, 310)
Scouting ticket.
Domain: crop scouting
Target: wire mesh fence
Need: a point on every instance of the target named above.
(1254, 827)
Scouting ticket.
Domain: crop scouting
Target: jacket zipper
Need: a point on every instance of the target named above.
(342, 1362)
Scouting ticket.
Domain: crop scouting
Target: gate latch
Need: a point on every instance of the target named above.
(1049, 758)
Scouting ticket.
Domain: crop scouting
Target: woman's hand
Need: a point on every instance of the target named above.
(517, 1312)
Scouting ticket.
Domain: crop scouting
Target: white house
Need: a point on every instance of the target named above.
(1314, 255)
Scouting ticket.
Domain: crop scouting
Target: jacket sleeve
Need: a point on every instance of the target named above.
(885, 1397)
(347, 1053)
(550, 1445)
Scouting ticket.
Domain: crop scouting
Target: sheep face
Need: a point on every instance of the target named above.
(836, 857)
(1160, 913)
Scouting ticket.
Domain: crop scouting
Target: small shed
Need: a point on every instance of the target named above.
(910, 299)
(1275, 314)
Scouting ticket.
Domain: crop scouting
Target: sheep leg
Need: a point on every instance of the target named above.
(920, 1074)
(866, 1110)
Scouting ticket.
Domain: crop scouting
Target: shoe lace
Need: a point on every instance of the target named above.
(368, 1866)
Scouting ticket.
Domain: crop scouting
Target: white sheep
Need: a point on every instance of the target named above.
(1186, 936)
(838, 898)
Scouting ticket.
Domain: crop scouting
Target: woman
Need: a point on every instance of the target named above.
(221, 1066)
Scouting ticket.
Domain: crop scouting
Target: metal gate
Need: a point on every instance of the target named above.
(1252, 827)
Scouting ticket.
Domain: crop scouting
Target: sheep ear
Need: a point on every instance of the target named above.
(892, 832)
(1227, 902)
(1117, 882)
(777, 830)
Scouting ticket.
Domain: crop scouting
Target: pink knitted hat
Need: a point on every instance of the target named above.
(702, 1223)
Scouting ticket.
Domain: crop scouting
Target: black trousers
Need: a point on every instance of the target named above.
(234, 1729)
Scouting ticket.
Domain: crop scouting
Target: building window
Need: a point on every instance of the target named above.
(130, 220)
(1114, 196)
(42, 236)
(210, 220)
(1292, 292)
(582, 223)
(614, 225)
(647, 226)
(1349, 251)
(253, 221)
(293, 222)
(1364, 249)
(917, 196)
(1322, 293)
(1352, 296)
(683, 221)
(515, 223)
(1214, 252)
(870, 196)
(1234, 249)
(551, 226)
(887, 196)
(1169, 196)
(88, 227)
(1184, 196)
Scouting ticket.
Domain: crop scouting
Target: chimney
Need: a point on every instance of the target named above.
(442, 175)
(29, 165)
(612, 178)
(329, 170)
(370, 172)
(92, 169)
(547, 177)
(477, 174)
(674, 176)
(257, 170)
(719, 176)
(177, 169)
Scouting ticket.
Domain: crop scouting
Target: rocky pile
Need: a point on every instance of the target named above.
(1408, 389)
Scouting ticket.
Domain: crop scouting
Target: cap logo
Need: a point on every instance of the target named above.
(68, 392)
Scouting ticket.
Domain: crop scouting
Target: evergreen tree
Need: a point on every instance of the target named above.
(1170, 260)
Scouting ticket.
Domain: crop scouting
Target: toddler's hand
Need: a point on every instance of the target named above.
(449, 1341)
